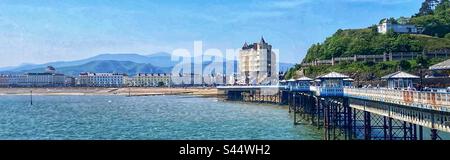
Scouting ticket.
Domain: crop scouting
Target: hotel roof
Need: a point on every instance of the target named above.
(441, 66)
(400, 75)
(333, 75)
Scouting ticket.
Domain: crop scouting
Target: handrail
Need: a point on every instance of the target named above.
(434, 99)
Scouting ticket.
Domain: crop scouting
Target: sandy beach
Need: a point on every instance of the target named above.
(110, 91)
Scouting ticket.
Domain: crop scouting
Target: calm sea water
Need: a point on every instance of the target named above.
(145, 118)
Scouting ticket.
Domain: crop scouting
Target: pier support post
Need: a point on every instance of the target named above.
(367, 126)
(294, 104)
(405, 131)
(354, 121)
(319, 109)
(390, 129)
(434, 135)
(385, 128)
(420, 132)
(348, 120)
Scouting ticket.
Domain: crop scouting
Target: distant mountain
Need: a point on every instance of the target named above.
(109, 66)
(284, 67)
(12, 68)
(130, 63)
(160, 59)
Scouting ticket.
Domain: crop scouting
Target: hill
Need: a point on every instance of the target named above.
(346, 43)
(161, 59)
(129, 63)
(367, 41)
(109, 66)
(350, 42)
(435, 22)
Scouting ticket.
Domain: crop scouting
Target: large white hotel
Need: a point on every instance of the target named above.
(49, 78)
(88, 79)
(257, 64)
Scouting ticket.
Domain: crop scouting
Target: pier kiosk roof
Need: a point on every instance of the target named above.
(441, 66)
(304, 79)
(349, 79)
(400, 80)
(333, 75)
(300, 85)
(400, 75)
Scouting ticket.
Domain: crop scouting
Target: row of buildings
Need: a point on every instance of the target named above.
(45, 79)
(50, 78)
(257, 66)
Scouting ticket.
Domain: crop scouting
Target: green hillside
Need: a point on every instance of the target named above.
(437, 22)
(367, 71)
(346, 43)
(367, 41)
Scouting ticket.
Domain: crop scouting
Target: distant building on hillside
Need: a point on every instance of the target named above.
(257, 63)
(70, 81)
(385, 26)
(102, 79)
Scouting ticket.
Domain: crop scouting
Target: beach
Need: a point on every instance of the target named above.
(132, 91)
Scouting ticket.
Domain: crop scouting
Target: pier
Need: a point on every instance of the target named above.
(347, 113)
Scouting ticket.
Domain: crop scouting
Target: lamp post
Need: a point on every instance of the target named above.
(421, 76)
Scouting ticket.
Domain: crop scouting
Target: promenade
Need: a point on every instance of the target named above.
(133, 91)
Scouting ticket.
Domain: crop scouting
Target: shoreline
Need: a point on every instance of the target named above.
(132, 91)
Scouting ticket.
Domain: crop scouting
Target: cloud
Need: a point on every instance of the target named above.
(286, 4)
(384, 2)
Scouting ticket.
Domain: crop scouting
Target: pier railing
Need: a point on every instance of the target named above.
(427, 100)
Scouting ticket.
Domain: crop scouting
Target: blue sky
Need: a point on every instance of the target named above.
(39, 31)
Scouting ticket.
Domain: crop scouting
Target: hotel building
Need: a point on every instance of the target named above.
(257, 63)
(150, 80)
(88, 79)
(12, 80)
(47, 79)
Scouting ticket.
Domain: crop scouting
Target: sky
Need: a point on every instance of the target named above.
(40, 31)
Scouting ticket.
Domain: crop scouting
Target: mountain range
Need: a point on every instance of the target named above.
(130, 63)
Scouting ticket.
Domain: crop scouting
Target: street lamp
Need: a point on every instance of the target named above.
(421, 76)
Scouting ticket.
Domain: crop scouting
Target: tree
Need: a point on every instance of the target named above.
(403, 20)
(447, 36)
(392, 20)
(160, 84)
(404, 65)
(422, 61)
(427, 7)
